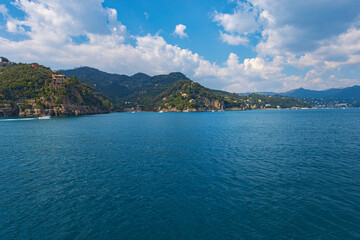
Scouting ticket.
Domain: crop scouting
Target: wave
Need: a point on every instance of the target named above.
(17, 119)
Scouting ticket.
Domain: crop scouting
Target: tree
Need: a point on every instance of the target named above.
(4, 59)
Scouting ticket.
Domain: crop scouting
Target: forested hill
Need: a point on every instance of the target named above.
(31, 90)
(116, 85)
(26, 89)
(172, 92)
(137, 91)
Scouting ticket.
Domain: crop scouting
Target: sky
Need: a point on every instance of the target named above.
(233, 45)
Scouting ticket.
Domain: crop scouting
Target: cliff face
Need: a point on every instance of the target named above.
(213, 103)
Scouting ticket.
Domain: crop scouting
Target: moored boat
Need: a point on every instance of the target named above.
(44, 117)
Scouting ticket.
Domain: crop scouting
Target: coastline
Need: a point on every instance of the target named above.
(46, 112)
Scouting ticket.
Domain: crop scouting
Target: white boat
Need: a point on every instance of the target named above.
(44, 117)
(161, 111)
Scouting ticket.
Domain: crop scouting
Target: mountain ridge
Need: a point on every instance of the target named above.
(172, 92)
(34, 90)
(352, 93)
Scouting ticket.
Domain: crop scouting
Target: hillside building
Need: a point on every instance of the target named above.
(58, 79)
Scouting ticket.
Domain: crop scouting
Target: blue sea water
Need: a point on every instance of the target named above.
(291, 174)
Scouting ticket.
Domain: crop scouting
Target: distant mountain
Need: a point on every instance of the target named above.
(349, 93)
(260, 93)
(334, 93)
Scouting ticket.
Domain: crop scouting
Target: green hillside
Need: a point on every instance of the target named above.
(27, 89)
(172, 92)
(137, 91)
(258, 101)
(188, 95)
(23, 81)
(29, 86)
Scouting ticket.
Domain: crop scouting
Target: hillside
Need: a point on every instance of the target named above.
(35, 90)
(172, 92)
(27, 90)
(127, 92)
(190, 96)
(121, 86)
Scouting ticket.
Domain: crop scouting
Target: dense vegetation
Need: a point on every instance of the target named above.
(30, 86)
(258, 101)
(127, 92)
(23, 83)
(185, 94)
(173, 91)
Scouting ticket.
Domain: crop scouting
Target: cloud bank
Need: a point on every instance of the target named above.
(297, 43)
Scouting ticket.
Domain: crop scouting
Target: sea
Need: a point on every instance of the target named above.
(267, 174)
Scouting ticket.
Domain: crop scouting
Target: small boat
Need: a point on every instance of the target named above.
(44, 117)
(161, 111)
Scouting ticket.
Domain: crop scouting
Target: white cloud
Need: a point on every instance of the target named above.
(242, 21)
(49, 27)
(52, 26)
(302, 26)
(67, 17)
(3, 10)
(318, 38)
(233, 39)
(180, 31)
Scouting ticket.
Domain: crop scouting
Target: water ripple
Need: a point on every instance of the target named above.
(225, 175)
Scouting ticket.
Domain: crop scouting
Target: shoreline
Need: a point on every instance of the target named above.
(272, 109)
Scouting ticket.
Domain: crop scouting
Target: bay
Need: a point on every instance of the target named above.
(289, 174)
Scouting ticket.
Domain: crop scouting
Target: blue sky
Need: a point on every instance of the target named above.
(142, 17)
(234, 45)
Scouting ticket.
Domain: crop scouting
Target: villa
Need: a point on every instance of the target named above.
(58, 79)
